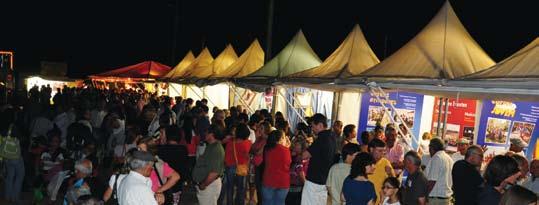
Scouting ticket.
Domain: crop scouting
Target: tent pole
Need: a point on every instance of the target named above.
(293, 108)
(336, 107)
(274, 100)
(445, 117)
(269, 30)
(439, 122)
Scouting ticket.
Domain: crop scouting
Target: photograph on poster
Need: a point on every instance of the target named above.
(468, 133)
(406, 115)
(376, 113)
(523, 130)
(497, 130)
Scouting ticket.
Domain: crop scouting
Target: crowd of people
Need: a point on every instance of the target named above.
(91, 146)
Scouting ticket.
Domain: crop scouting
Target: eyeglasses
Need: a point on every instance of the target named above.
(388, 187)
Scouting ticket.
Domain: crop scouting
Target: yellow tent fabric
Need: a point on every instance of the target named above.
(180, 68)
(223, 60)
(522, 64)
(442, 50)
(297, 56)
(204, 59)
(250, 61)
(352, 57)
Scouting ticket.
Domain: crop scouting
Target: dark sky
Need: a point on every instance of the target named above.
(93, 36)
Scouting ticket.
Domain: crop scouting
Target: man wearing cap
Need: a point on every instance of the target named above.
(462, 146)
(136, 187)
(209, 167)
(438, 173)
(517, 146)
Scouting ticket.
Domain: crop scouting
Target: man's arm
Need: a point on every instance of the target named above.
(421, 201)
(212, 176)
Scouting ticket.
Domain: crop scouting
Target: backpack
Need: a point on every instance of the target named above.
(9, 146)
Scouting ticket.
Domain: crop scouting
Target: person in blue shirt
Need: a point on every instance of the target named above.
(357, 189)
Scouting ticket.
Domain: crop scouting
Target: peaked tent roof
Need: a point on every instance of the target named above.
(250, 61)
(204, 59)
(442, 50)
(352, 57)
(180, 68)
(146, 69)
(522, 64)
(224, 60)
(297, 56)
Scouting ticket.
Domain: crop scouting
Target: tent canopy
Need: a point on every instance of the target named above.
(442, 50)
(250, 61)
(523, 64)
(203, 60)
(180, 68)
(223, 60)
(144, 70)
(297, 56)
(352, 57)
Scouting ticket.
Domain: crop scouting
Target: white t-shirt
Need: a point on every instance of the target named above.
(387, 203)
(439, 169)
(113, 179)
(136, 189)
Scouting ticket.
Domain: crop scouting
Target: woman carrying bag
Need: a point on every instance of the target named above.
(237, 166)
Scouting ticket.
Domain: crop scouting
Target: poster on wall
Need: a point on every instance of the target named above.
(408, 106)
(460, 119)
(502, 120)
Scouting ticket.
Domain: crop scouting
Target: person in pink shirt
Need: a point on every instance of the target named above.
(395, 152)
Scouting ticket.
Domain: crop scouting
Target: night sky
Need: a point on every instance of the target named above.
(94, 36)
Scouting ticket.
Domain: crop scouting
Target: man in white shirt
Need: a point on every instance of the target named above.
(462, 146)
(438, 173)
(136, 188)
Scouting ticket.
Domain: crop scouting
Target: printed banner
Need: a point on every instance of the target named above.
(502, 120)
(460, 119)
(408, 106)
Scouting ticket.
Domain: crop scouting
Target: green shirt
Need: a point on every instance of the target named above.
(212, 160)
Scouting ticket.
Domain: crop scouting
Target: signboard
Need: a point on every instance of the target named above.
(501, 120)
(408, 105)
(460, 119)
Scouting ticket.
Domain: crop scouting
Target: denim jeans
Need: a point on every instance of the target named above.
(274, 196)
(232, 180)
(14, 178)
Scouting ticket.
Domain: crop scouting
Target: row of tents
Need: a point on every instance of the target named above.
(442, 59)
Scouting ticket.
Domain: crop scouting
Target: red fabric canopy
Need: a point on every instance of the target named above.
(146, 69)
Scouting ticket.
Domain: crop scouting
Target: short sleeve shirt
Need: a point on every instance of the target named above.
(322, 156)
(213, 160)
(358, 192)
(439, 170)
(414, 187)
(167, 171)
(380, 174)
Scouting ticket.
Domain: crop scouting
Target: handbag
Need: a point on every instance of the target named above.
(241, 169)
(9, 146)
(114, 196)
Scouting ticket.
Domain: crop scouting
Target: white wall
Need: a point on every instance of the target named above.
(349, 108)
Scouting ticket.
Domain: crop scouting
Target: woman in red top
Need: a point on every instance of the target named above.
(277, 159)
(257, 150)
(237, 154)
